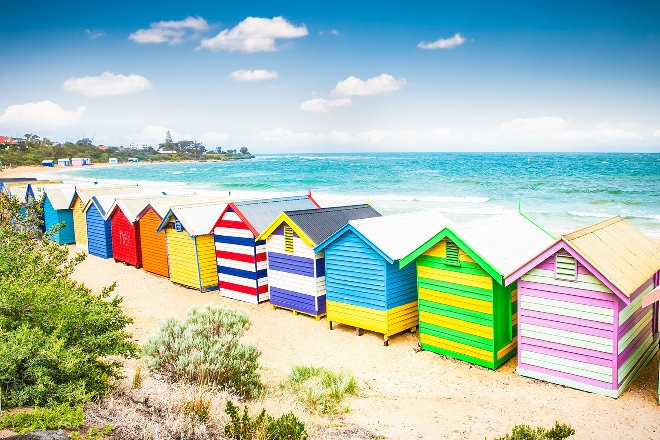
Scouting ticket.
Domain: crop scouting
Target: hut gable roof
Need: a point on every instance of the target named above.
(196, 219)
(393, 236)
(103, 203)
(315, 225)
(36, 189)
(499, 244)
(618, 251)
(86, 194)
(162, 203)
(258, 214)
(60, 196)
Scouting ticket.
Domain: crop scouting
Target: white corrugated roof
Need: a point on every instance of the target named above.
(198, 219)
(85, 194)
(505, 242)
(400, 234)
(60, 196)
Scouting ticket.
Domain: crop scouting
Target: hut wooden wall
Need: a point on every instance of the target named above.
(241, 262)
(192, 260)
(79, 223)
(365, 291)
(52, 217)
(153, 246)
(296, 280)
(125, 238)
(579, 334)
(463, 312)
(99, 237)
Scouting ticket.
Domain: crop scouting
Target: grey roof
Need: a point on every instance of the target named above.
(261, 213)
(319, 224)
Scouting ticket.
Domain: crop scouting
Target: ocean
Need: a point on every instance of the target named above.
(560, 191)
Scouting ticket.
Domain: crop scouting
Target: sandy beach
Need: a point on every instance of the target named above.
(404, 393)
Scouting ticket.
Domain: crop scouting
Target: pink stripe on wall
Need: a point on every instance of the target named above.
(568, 294)
(566, 352)
(579, 379)
(548, 321)
(625, 354)
(568, 319)
(632, 321)
(549, 264)
(638, 363)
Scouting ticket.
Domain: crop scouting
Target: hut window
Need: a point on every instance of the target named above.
(452, 254)
(565, 267)
(288, 239)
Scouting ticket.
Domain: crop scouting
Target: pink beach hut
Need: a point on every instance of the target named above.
(580, 317)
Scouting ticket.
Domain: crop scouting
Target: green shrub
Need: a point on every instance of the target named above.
(525, 432)
(321, 390)
(52, 417)
(263, 426)
(206, 349)
(55, 335)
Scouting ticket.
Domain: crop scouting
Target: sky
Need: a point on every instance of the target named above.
(335, 76)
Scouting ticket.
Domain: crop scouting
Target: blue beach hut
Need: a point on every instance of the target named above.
(296, 272)
(57, 210)
(365, 287)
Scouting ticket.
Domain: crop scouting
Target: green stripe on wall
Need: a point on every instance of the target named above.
(439, 263)
(456, 313)
(456, 289)
(456, 336)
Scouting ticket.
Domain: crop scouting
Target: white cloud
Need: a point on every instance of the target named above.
(212, 139)
(443, 43)
(42, 114)
(254, 34)
(656, 133)
(321, 105)
(172, 32)
(382, 83)
(253, 75)
(93, 35)
(335, 32)
(107, 84)
(541, 124)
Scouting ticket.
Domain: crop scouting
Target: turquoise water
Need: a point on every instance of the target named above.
(562, 191)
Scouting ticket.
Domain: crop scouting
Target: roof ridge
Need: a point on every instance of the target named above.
(590, 229)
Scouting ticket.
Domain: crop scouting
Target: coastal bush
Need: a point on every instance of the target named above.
(525, 432)
(56, 337)
(52, 417)
(263, 426)
(206, 349)
(321, 390)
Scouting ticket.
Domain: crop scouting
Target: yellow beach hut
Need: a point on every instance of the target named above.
(466, 311)
(83, 197)
(190, 244)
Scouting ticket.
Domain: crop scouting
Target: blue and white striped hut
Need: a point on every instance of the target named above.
(296, 272)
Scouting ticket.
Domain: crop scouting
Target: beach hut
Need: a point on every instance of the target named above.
(80, 201)
(48, 163)
(296, 273)
(57, 211)
(465, 309)
(365, 287)
(113, 160)
(64, 162)
(125, 229)
(190, 246)
(582, 322)
(241, 260)
(99, 225)
(651, 300)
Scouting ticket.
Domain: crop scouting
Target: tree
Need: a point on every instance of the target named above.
(56, 337)
(244, 150)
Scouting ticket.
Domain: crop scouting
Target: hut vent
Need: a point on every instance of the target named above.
(452, 254)
(288, 239)
(565, 267)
